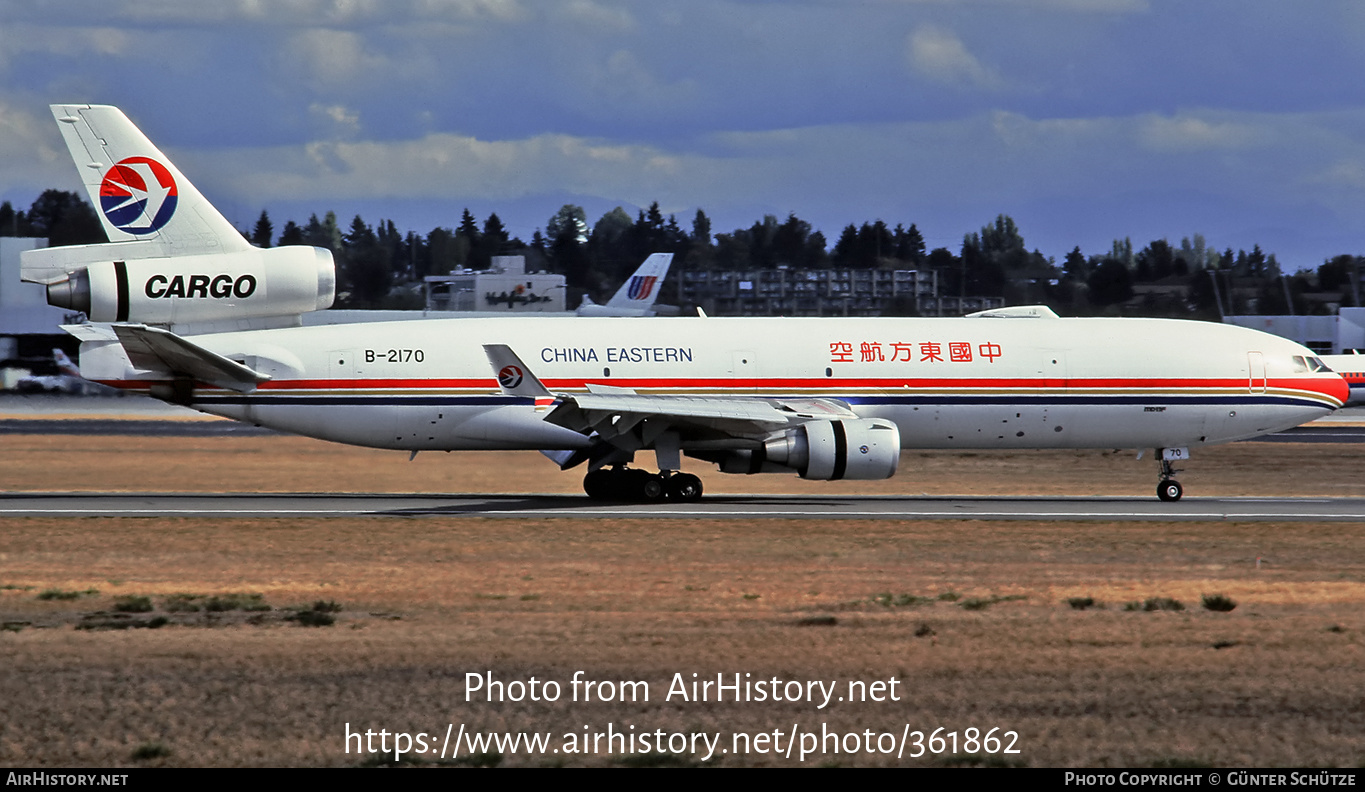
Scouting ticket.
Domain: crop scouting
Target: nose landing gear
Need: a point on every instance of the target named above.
(640, 486)
(1168, 489)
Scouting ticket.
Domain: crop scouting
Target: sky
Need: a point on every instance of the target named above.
(1084, 120)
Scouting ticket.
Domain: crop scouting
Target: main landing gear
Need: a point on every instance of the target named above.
(632, 484)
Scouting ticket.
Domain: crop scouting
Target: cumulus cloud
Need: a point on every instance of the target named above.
(597, 15)
(341, 118)
(941, 56)
(24, 39)
(31, 149)
(1084, 6)
(315, 12)
(331, 58)
(1088, 6)
(1186, 132)
(1344, 173)
(452, 166)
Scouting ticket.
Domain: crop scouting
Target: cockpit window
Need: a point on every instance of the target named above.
(1304, 364)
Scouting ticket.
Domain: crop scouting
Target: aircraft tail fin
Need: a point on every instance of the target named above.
(137, 191)
(642, 288)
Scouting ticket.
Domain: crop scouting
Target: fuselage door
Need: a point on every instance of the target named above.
(1256, 372)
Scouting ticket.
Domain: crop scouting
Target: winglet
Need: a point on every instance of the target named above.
(514, 378)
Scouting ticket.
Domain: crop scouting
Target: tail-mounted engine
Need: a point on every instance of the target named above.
(824, 451)
(246, 284)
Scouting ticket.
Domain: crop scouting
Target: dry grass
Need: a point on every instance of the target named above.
(646, 599)
(425, 601)
(296, 464)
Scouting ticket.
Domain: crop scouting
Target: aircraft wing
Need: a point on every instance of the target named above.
(153, 349)
(630, 421)
(613, 414)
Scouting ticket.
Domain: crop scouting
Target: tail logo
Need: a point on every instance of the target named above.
(509, 377)
(138, 195)
(641, 286)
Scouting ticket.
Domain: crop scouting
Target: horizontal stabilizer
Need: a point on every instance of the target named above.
(48, 265)
(153, 349)
(90, 332)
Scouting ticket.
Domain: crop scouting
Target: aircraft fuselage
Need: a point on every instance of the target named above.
(946, 383)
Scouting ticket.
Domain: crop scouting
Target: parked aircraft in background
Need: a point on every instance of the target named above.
(1352, 369)
(180, 308)
(637, 295)
(68, 381)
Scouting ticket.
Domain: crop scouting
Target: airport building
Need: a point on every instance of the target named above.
(505, 287)
(1339, 334)
(785, 291)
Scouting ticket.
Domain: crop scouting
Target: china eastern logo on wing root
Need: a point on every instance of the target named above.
(509, 377)
(138, 195)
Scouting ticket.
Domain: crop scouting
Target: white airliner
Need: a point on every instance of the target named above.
(637, 295)
(182, 308)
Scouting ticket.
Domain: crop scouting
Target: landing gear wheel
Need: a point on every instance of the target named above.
(640, 486)
(1169, 490)
(651, 488)
(684, 487)
(599, 484)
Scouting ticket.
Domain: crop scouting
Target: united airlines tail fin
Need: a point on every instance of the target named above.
(637, 295)
(642, 288)
(137, 191)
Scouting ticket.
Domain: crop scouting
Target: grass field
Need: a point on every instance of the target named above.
(971, 619)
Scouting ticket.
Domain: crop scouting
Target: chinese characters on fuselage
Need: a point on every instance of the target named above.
(908, 352)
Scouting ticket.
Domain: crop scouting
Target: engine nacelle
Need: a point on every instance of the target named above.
(283, 281)
(863, 450)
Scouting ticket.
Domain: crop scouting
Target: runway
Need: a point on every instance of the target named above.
(145, 417)
(727, 507)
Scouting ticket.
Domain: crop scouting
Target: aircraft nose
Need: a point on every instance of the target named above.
(1337, 388)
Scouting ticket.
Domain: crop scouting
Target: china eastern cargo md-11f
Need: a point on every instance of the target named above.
(181, 307)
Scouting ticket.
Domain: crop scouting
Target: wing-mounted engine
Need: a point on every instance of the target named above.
(186, 290)
(862, 449)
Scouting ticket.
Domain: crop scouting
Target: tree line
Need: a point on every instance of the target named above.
(380, 266)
